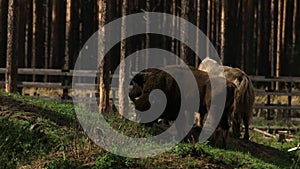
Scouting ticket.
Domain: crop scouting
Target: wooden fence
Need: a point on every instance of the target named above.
(269, 86)
(284, 88)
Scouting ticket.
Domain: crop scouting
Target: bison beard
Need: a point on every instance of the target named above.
(163, 81)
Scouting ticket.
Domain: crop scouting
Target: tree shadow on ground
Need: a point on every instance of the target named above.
(19, 109)
(271, 155)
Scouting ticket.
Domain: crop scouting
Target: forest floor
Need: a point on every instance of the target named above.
(44, 134)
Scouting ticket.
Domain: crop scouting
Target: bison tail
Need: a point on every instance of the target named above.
(246, 96)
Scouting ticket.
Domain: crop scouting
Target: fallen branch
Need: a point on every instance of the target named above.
(295, 148)
(265, 133)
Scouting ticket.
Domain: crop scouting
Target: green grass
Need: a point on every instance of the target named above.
(37, 133)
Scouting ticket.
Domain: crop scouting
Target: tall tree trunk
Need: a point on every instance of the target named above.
(166, 42)
(294, 35)
(12, 47)
(198, 21)
(183, 30)
(29, 26)
(3, 31)
(104, 65)
(58, 34)
(279, 38)
(173, 12)
(47, 23)
(74, 35)
(87, 18)
(213, 22)
(239, 35)
(208, 26)
(257, 23)
(39, 39)
(263, 63)
(147, 38)
(232, 45)
(222, 30)
(273, 33)
(203, 21)
(123, 73)
(67, 40)
(248, 43)
(297, 40)
(286, 57)
(21, 34)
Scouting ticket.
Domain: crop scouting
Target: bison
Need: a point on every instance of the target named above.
(244, 98)
(159, 79)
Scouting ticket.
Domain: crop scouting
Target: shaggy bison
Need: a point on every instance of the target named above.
(244, 98)
(163, 81)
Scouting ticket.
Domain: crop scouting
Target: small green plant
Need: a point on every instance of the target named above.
(111, 161)
(61, 163)
(183, 150)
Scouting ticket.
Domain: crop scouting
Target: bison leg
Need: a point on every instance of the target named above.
(236, 129)
(225, 134)
(246, 124)
(236, 125)
(213, 138)
(198, 120)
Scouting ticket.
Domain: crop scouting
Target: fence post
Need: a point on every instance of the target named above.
(65, 84)
(289, 98)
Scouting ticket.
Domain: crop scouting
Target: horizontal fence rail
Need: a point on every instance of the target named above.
(66, 84)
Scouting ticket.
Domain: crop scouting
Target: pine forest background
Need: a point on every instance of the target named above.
(262, 37)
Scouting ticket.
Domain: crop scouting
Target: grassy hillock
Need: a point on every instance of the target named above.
(43, 134)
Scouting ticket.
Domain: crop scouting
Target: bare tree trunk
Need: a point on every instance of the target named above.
(208, 24)
(74, 35)
(265, 17)
(173, 11)
(257, 35)
(287, 46)
(198, 20)
(279, 41)
(21, 34)
(67, 41)
(272, 41)
(28, 38)
(123, 73)
(294, 31)
(203, 21)
(12, 47)
(183, 30)
(58, 34)
(34, 41)
(3, 31)
(248, 43)
(233, 26)
(280, 34)
(222, 31)
(243, 33)
(296, 58)
(47, 37)
(39, 39)
(147, 38)
(211, 22)
(104, 65)
(166, 42)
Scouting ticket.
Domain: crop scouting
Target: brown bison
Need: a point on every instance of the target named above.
(244, 98)
(163, 81)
